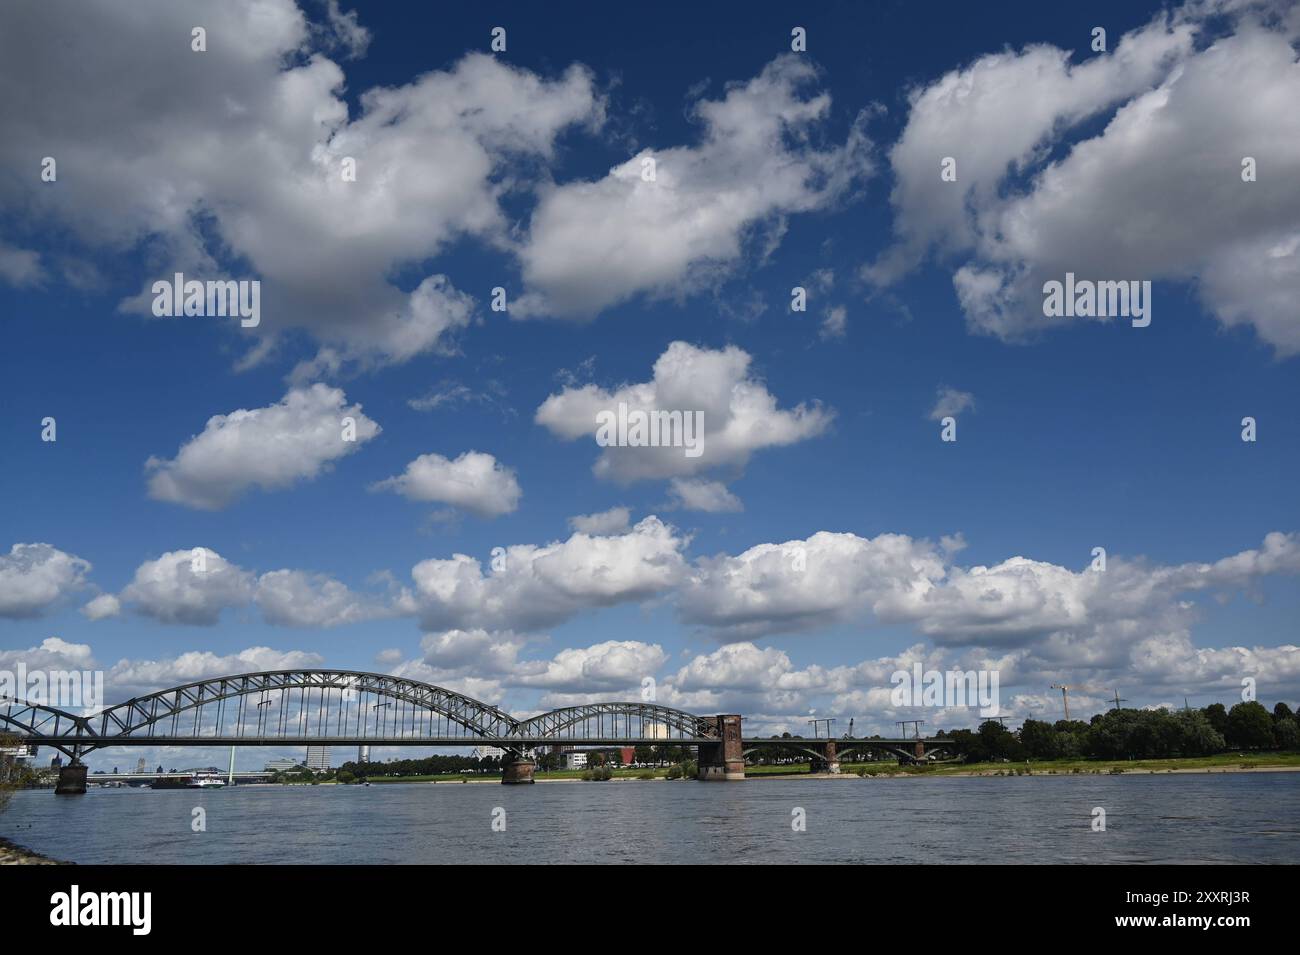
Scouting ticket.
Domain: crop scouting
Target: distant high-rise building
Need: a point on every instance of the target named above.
(318, 757)
(139, 766)
(363, 754)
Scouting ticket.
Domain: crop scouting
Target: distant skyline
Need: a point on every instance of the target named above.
(466, 257)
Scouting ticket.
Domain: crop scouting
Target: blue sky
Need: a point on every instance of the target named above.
(1070, 435)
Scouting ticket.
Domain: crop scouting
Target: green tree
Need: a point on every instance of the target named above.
(15, 773)
(1000, 743)
(1250, 726)
(1039, 740)
(1070, 737)
(548, 761)
(1218, 717)
(1197, 736)
(1131, 734)
(971, 747)
(1287, 734)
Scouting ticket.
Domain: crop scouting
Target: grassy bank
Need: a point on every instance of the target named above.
(556, 774)
(1224, 762)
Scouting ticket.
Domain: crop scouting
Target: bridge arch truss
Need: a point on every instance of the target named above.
(322, 707)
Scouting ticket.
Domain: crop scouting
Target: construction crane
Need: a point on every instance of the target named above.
(1065, 697)
(1065, 689)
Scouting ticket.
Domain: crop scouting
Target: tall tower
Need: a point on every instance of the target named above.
(318, 757)
(363, 754)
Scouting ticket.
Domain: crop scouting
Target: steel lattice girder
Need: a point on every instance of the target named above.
(552, 724)
(35, 720)
(125, 720)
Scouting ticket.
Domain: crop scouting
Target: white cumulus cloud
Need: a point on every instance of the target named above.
(594, 244)
(273, 447)
(475, 481)
(1157, 194)
(737, 415)
(188, 587)
(34, 578)
(613, 521)
(249, 174)
(538, 586)
(296, 598)
(696, 494)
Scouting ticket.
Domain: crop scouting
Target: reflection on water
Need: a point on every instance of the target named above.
(1166, 818)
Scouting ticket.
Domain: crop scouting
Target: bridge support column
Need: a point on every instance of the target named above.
(918, 751)
(724, 760)
(517, 769)
(829, 761)
(72, 780)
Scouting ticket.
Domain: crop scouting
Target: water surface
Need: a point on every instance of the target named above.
(1239, 818)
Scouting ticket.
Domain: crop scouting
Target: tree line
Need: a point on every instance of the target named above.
(437, 765)
(1135, 734)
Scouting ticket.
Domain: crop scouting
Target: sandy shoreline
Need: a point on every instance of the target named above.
(1156, 772)
(1039, 772)
(881, 775)
(13, 854)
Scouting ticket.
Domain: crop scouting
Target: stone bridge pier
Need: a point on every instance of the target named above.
(724, 760)
(829, 760)
(516, 769)
(72, 780)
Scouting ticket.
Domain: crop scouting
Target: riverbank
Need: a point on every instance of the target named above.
(13, 854)
(1224, 763)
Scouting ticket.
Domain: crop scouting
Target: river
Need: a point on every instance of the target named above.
(1201, 818)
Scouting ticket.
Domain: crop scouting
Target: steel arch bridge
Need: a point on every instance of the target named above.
(345, 707)
(341, 707)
